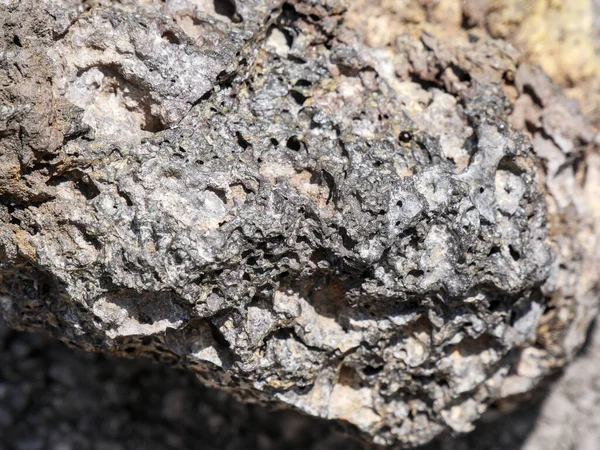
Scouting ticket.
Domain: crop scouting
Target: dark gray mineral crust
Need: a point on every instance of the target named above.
(396, 238)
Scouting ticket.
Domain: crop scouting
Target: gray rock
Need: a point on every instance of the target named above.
(392, 239)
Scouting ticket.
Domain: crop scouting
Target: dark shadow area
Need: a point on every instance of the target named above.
(59, 398)
(497, 432)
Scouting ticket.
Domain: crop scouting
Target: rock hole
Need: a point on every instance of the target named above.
(344, 150)
(348, 376)
(274, 142)
(298, 97)
(460, 73)
(495, 305)
(289, 13)
(515, 254)
(405, 137)
(228, 9)
(296, 59)
(370, 370)
(87, 187)
(125, 197)
(427, 85)
(204, 97)
(225, 79)
(509, 164)
(468, 22)
(303, 83)
(241, 141)
(330, 181)
(217, 335)
(284, 274)
(509, 77)
(494, 251)
(171, 37)
(348, 242)
(293, 143)
(219, 193)
(303, 389)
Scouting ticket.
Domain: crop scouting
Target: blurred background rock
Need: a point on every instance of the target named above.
(562, 36)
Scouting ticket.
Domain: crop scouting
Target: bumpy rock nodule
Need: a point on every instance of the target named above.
(396, 238)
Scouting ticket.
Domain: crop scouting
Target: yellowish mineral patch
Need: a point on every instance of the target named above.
(558, 35)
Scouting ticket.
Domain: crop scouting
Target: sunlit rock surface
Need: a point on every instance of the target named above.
(395, 238)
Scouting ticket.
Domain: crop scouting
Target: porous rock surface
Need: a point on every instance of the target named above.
(395, 238)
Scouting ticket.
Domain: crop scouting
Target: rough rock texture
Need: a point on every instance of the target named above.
(394, 238)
